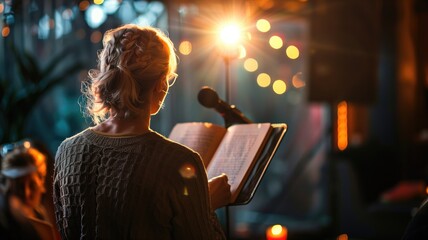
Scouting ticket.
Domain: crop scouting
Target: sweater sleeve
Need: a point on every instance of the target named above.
(56, 193)
(193, 216)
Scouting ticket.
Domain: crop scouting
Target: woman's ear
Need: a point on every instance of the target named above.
(158, 96)
(161, 85)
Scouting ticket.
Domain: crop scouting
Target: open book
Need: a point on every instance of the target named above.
(232, 151)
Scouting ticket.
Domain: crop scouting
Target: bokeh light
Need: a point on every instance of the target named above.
(276, 229)
(43, 28)
(242, 52)
(140, 6)
(146, 19)
(263, 80)
(187, 171)
(275, 42)
(96, 37)
(263, 25)
(127, 12)
(279, 87)
(297, 80)
(276, 232)
(342, 237)
(1, 7)
(98, 2)
(27, 144)
(95, 16)
(67, 14)
(292, 52)
(251, 65)
(5, 31)
(111, 6)
(156, 7)
(185, 47)
(83, 5)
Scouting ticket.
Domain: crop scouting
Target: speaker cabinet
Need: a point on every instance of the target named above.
(344, 46)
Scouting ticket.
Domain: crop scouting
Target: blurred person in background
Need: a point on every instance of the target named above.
(22, 215)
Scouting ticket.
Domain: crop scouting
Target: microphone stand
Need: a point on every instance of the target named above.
(227, 79)
(227, 90)
(227, 57)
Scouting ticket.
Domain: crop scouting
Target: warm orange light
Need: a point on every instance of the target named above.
(185, 47)
(276, 232)
(242, 52)
(342, 237)
(263, 80)
(275, 42)
(83, 5)
(51, 23)
(96, 37)
(251, 64)
(187, 171)
(342, 125)
(279, 87)
(230, 38)
(1, 7)
(263, 25)
(98, 2)
(5, 31)
(292, 52)
(265, 4)
(297, 80)
(230, 34)
(26, 144)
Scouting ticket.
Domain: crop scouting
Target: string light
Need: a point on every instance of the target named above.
(279, 87)
(263, 25)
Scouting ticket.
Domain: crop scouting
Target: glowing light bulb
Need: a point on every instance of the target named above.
(230, 34)
(276, 232)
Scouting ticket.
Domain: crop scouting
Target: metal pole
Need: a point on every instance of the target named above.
(227, 83)
(227, 90)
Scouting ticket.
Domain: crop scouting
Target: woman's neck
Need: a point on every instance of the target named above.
(136, 125)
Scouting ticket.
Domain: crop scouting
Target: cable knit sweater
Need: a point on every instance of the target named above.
(140, 187)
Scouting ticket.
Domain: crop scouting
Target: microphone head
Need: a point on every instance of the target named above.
(208, 97)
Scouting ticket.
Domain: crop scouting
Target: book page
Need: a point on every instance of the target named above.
(237, 152)
(203, 138)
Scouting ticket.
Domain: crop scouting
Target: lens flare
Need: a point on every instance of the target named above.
(230, 34)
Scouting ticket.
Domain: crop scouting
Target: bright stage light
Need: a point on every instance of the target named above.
(230, 41)
(230, 34)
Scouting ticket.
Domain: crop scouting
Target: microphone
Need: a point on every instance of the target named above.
(208, 97)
